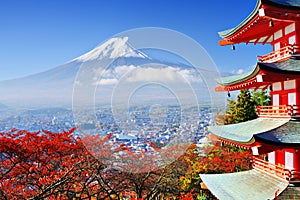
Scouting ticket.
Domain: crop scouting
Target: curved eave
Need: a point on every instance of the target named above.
(231, 31)
(271, 72)
(244, 132)
(251, 184)
(285, 135)
(235, 79)
(255, 28)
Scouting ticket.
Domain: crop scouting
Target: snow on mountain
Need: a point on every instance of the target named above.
(112, 48)
(55, 86)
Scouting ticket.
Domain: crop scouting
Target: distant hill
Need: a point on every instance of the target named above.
(54, 88)
(3, 106)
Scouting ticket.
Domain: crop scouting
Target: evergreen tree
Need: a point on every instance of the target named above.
(243, 108)
(229, 116)
(261, 98)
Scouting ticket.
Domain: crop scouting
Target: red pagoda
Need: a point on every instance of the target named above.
(276, 132)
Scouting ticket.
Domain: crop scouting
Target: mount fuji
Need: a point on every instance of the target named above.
(54, 87)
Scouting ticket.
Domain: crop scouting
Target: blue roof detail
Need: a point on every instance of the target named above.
(292, 3)
(286, 134)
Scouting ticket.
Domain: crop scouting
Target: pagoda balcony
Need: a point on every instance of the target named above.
(278, 55)
(279, 171)
(278, 111)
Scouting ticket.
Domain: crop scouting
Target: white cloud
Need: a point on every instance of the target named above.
(190, 75)
(121, 70)
(78, 83)
(240, 71)
(131, 73)
(107, 82)
(152, 74)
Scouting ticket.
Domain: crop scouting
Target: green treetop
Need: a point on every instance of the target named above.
(243, 108)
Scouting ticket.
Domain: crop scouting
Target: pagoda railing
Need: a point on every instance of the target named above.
(295, 175)
(278, 111)
(279, 171)
(271, 169)
(278, 55)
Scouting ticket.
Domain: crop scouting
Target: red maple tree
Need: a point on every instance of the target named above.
(37, 165)
(46, 165)
(218, 159)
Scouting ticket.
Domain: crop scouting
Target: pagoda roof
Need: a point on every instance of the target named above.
(285, 134)
(291, 65)
(251, 184)
(255, 28)
(288, 68)
(288, 3)
(229, 32)
(246, 132)
(238, 78)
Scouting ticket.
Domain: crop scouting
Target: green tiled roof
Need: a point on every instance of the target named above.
(244, 132)
(229, 80)
(295, 4)
(252, 185)
(228, 32)
(284, 67)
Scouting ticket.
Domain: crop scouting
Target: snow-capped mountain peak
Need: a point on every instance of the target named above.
(112, 48)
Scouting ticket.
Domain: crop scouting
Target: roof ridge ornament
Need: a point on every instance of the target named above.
(261, 12)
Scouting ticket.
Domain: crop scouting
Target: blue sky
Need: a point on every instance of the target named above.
(37, 35)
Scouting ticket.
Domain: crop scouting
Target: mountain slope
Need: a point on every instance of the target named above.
(55, 87)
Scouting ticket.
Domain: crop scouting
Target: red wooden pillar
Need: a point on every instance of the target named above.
(297, 26)
(297, 159)
(279, 157)
(296, 163)
(283, 98)
(297, 92)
